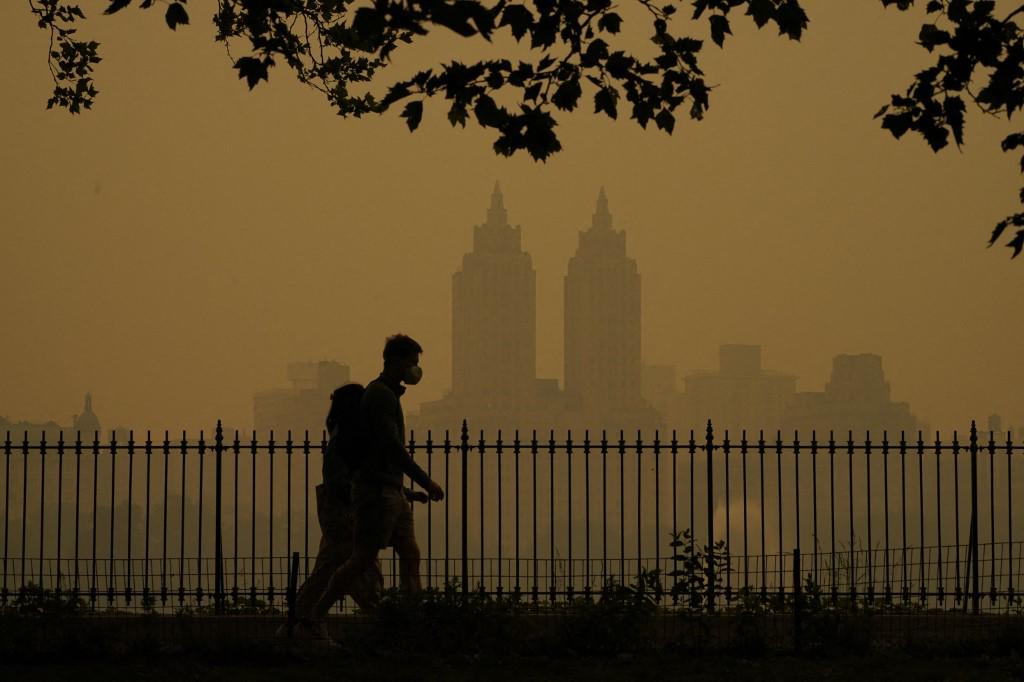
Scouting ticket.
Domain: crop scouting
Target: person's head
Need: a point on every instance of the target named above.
(402, 358)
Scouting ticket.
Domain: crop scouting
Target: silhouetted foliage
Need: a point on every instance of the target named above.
(333, 45)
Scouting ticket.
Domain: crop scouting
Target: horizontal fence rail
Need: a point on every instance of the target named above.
(698, 521)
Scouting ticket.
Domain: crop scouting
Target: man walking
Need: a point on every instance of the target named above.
(334, 512)
(382, 515)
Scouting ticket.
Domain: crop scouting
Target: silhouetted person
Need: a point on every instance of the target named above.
(382, 513)
(334, 512)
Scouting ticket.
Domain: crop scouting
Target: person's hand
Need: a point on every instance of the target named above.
(418, 496)
(435, 491)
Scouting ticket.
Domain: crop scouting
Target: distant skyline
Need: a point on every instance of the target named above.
(202, 237)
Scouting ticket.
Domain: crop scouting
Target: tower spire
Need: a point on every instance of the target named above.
(602, 218)
(496, 214)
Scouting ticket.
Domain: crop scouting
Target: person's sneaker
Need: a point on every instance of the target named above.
(316, 632)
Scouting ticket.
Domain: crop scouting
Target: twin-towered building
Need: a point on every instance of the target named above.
(494, 383)
(494, 336)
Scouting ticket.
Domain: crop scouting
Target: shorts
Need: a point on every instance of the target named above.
(381, 516)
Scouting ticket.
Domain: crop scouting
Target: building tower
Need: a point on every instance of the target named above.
(86, 423)
(494, 318)
(602, 323)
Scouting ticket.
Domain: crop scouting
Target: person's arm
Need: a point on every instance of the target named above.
(415, 495)
(380, 414)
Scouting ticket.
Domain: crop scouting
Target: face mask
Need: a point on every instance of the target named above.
(413, 375)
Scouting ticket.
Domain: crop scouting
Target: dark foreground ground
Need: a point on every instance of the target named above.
(336, 668)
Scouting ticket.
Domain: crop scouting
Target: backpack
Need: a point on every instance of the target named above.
(346, 447)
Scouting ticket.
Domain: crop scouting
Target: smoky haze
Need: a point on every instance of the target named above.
(174, 249)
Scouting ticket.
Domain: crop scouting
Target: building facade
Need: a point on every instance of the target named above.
(494, 339)
(856, 398)
(602, 342)
(739, 395)
(303, 405)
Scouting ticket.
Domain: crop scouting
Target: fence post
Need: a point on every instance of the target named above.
(710, 445)
(797, 599)
(973, 549)
(218, 579)
(465, 508)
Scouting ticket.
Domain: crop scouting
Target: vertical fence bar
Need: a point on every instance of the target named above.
(270, 518)
(764, 563)
(622, 508)
(604, 510)
(236, 448)
(181, 545)
(536, 572)
(146, 596)
(218, 552)
(710, 446)
(551, 516)
(920, 511)
(113, 506)
(1009, 516)
(483, 571)
(814, 504)
(728, 517)
(24, 508)
(903, 513)
(305, 497)
(832, 512)
(956, 510)
(464, 449)
(851, 581)
(131, 485)
(796, 495)
(517, 450)
(252, 523)
(586, 513)
(199, 521)
(7, 512)
(675, 513)
(657, 507)
(42, 509)
(885, 508)
(60, 502)
(938, 514)
(992, 512)
(447, 507)
(163, 555)
(778, 499)
(973, 550)
(430, 510)
(871, 547)
(568, 488)
(746, 547)
(78, 505)
(288, 445)
(692, 448)
(639, 511)
(93, 586)
(501, 537)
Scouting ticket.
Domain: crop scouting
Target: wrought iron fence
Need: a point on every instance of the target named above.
(171, 524)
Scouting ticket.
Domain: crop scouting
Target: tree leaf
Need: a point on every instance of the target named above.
(719, 28)
(176, 15)
(605, 100)
(413, 113)
(253, 70)
(610, 22)
(567, 94)
(116, 6)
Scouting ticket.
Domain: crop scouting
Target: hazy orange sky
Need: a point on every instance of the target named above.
(173, 249)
